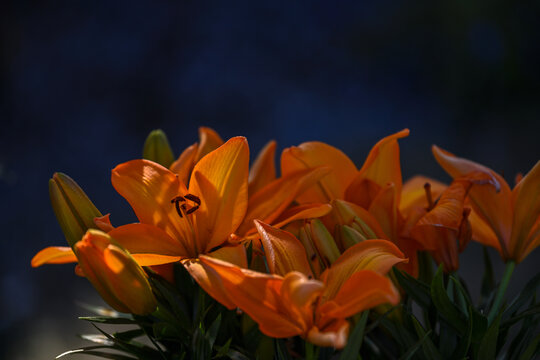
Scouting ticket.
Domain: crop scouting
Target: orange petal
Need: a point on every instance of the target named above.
(149, 239)
(268, 203)
(149, 189)
(376, 255)
(104, 223)
(413, 193)
(54, 255)
(284, 253)
(492, 206)
(382, 165)
(263, 170)
(184, 164)
(526, 201)
(534, 240)
(332, 336)
(384, 209)
(260, 296)
(301, 212)
(362, 290)
(235, 254)
(482, 233)
(209, 140)
(220, 180)
(315, 154)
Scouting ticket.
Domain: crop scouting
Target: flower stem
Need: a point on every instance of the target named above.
(309, 351)
(510, 265)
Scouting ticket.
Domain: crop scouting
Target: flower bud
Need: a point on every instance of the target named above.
(117, 277)
(157, 148)
(349, 236)
(323, 241)
(73, 209)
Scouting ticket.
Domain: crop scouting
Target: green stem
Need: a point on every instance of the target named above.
(510, 265)
(309, 351)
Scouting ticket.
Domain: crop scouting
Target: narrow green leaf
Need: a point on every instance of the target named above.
(524, 337)
(355, 339)
(108, 320)
(531, 350)
(281, 352)
(430, 350)
(412, 350)
(213, 330)
(104, 355)
(223, 350)
(523, 297)
(416, 289)
(488, 346)
(448, 311)
(425, 267)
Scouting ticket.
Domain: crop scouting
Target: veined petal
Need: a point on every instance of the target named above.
(263, 170)
(54, 255)
(269, 202)
(284, 253)
(361, 291)
(260, 296)
(376, 255)
(413, 193)
(220, 180)
(145, 238)
(483, 233)
(315, 154)
(384, 209)
(495, 207)
(301, 212)
(234, 254)
(209, 140)
(526, 201)
(184, 164)
(149, 189)
(210, 280)
(382, 165)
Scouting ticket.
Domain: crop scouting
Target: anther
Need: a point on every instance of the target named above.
(427, 189)
(176, 201)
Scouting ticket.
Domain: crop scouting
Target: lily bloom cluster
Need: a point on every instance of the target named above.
(301, 253)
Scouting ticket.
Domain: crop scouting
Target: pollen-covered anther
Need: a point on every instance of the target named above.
(429, 197)
(182, 209)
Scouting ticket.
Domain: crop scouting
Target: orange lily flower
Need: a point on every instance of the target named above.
(180, 223)
(508, 220)
(290, 302)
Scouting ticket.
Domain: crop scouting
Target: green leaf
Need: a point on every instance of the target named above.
(223, 350)
(430, 350)
(355, 339)
(413, 349)
(90, 351)
(523, 297)
(531, 350)
(281, 351)
(416, 289)
(213, 330)
(201, 347)
(425, 267)
(488, 346)
(108, 320)
(524, 336)
(448, 311)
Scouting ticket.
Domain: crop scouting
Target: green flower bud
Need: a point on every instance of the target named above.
(157, 148)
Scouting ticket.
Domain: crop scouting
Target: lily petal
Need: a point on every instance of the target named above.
(148, 244)
(234, 254)
(526, 200)
(384, 208)
(376, 255)
(263, 170)
(301, 212)
(149, 188)
(209, 140)
(363, 290)
(284, 253)
(382, 165)
(260, 296)
(220, 180)
(315, 154)
(269, 202)
(54, 255)
(184, 164)
(332, 336)
(492, 206)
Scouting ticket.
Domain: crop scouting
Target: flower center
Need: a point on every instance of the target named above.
(180, 202)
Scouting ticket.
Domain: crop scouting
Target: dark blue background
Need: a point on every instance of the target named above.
(82, 83)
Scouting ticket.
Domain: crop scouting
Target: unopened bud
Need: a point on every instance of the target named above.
(117, 277)
(323, 241)
(157, 148)
(349, 236)
(73, 209)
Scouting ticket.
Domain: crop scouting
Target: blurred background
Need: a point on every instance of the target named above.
(83, 83)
